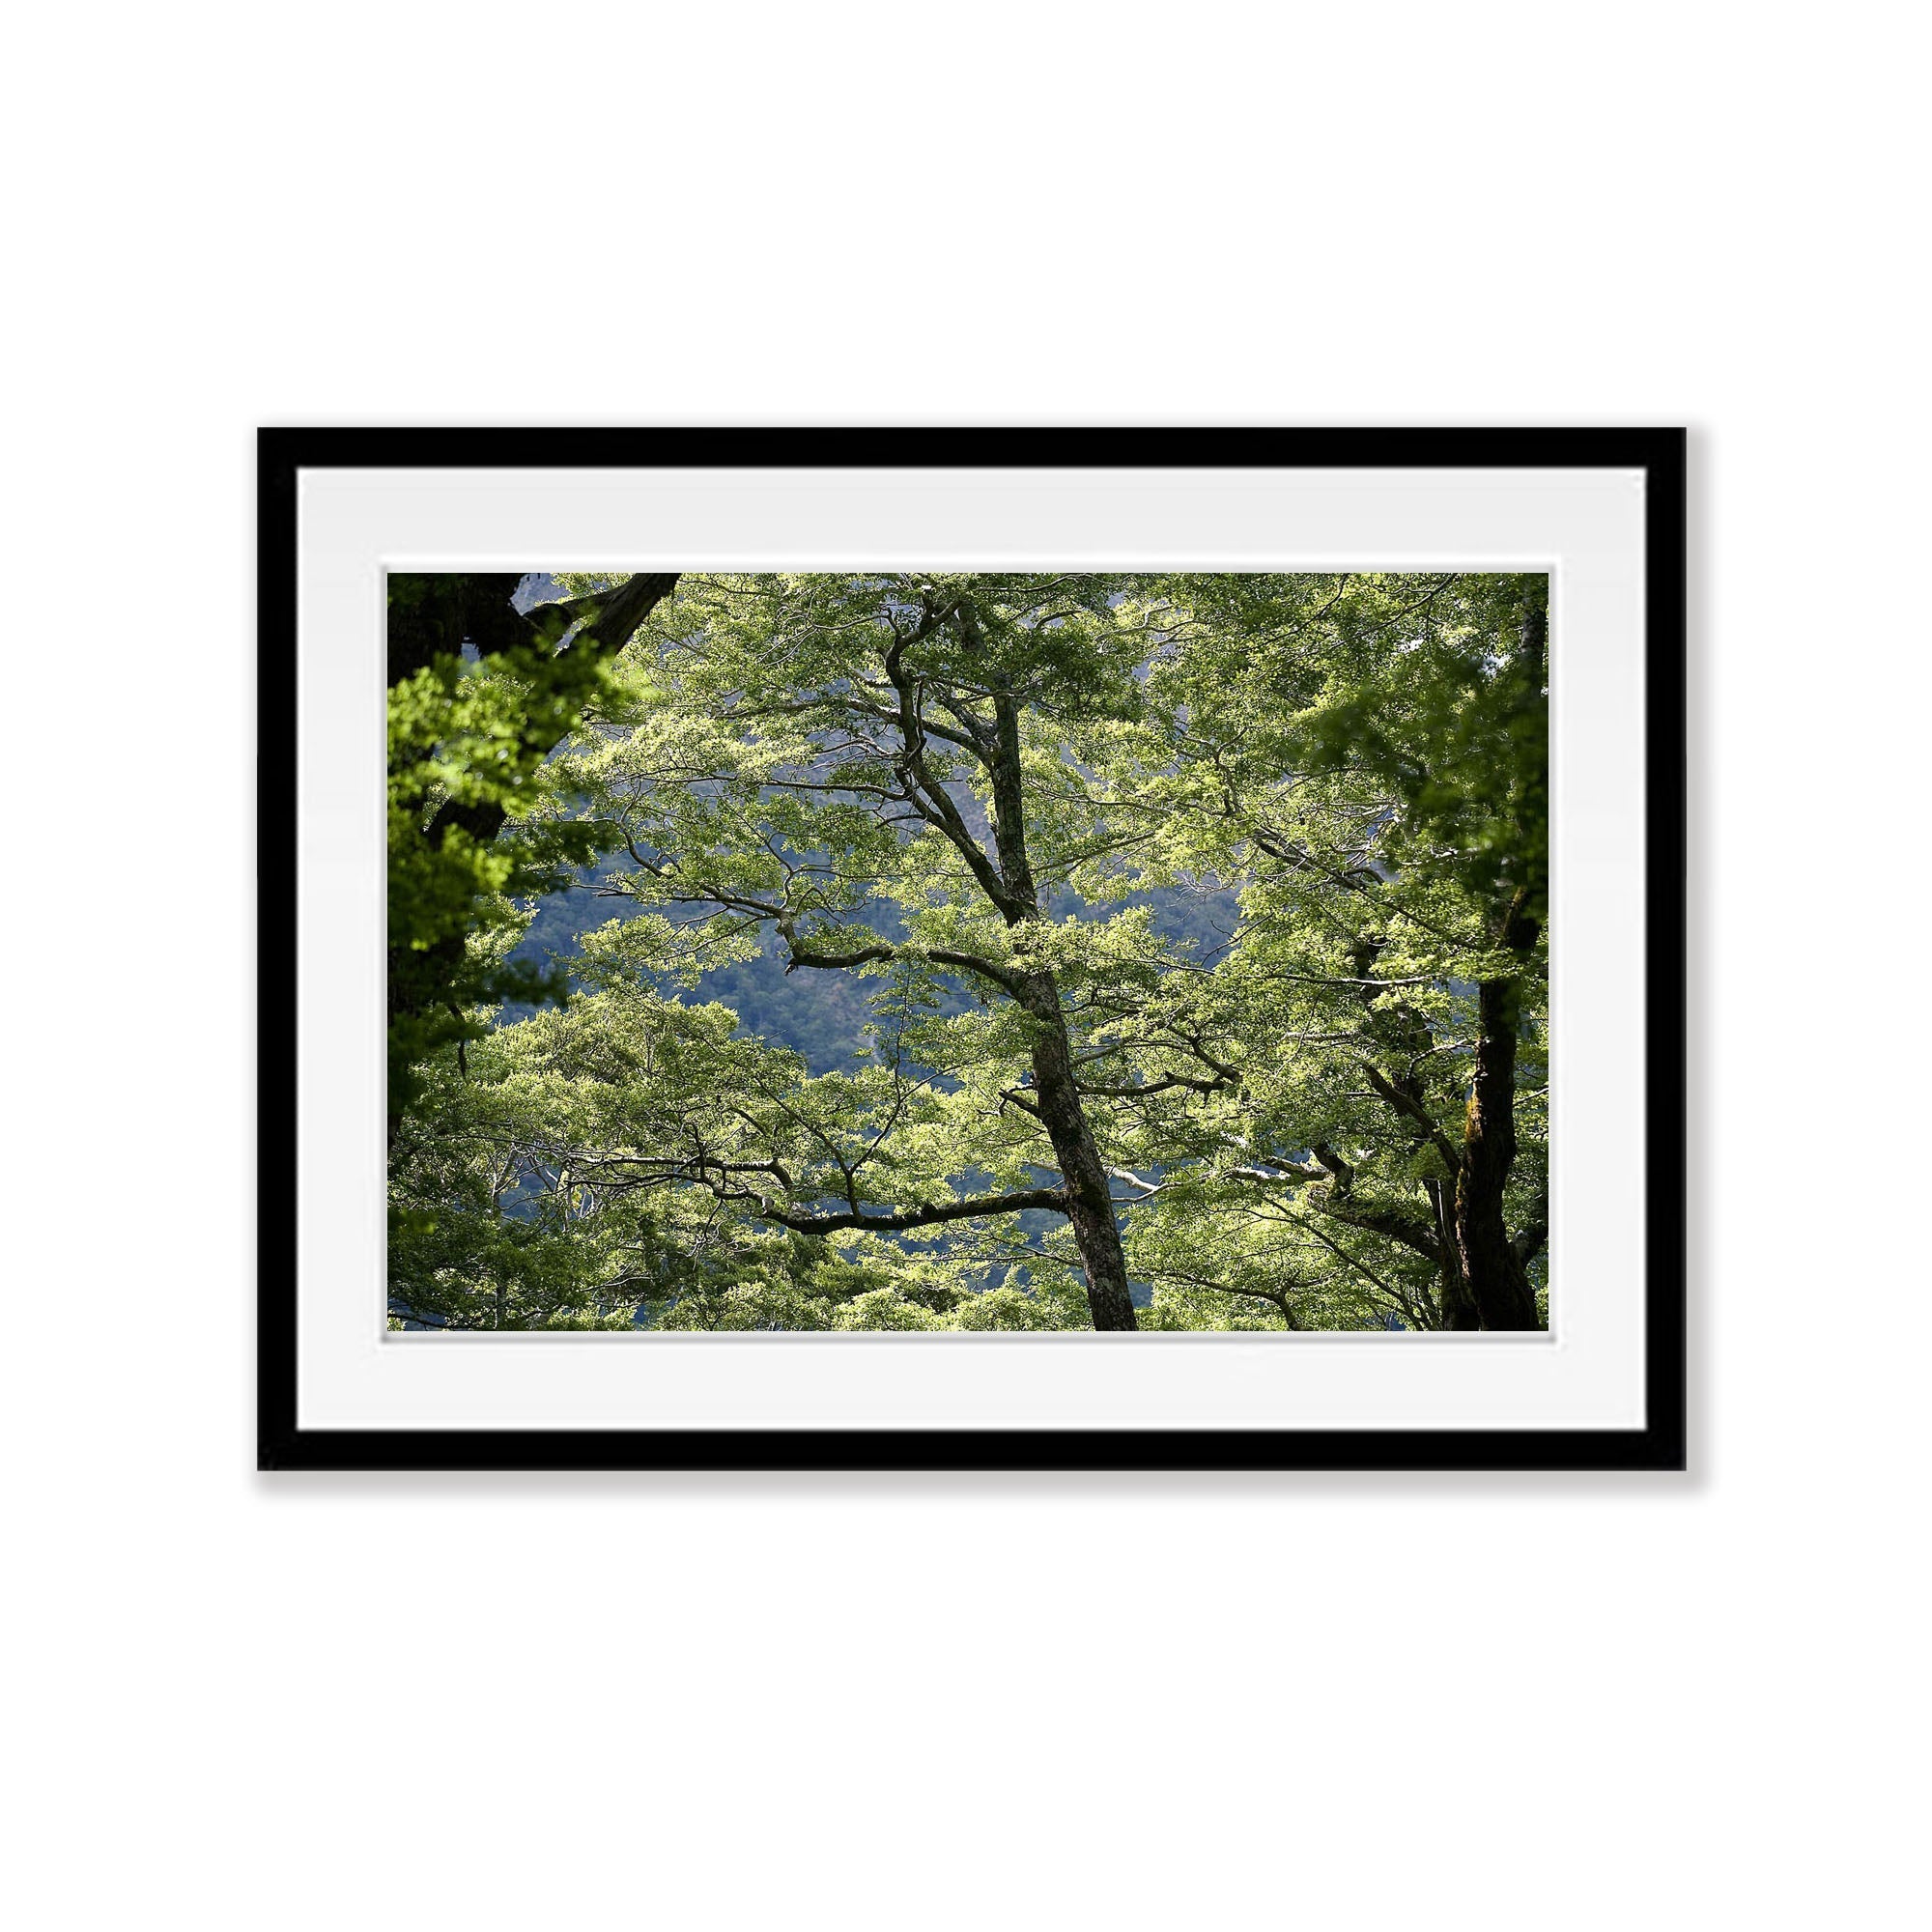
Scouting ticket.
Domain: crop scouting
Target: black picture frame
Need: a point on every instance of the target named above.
(1660, 1444)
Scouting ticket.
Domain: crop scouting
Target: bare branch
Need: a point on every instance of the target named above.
(1053, 1198)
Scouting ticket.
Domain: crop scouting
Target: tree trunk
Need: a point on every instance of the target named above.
(1458, 1305)
(1492, 1266)
(1088, 1203)
(1496, 1281)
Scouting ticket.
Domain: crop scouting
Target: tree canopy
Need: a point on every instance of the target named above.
(1193, 925)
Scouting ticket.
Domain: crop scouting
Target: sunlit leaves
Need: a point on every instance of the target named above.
(1277, 826)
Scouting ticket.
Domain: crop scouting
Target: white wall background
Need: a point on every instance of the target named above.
(235, 1702)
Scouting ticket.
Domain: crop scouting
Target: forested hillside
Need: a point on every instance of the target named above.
(931, 952)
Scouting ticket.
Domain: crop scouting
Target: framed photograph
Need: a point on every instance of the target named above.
(935, 948)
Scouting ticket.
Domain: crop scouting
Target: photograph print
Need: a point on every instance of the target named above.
(951, 952)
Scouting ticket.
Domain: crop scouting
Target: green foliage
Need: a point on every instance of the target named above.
(474, 824)
(1278, 825)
